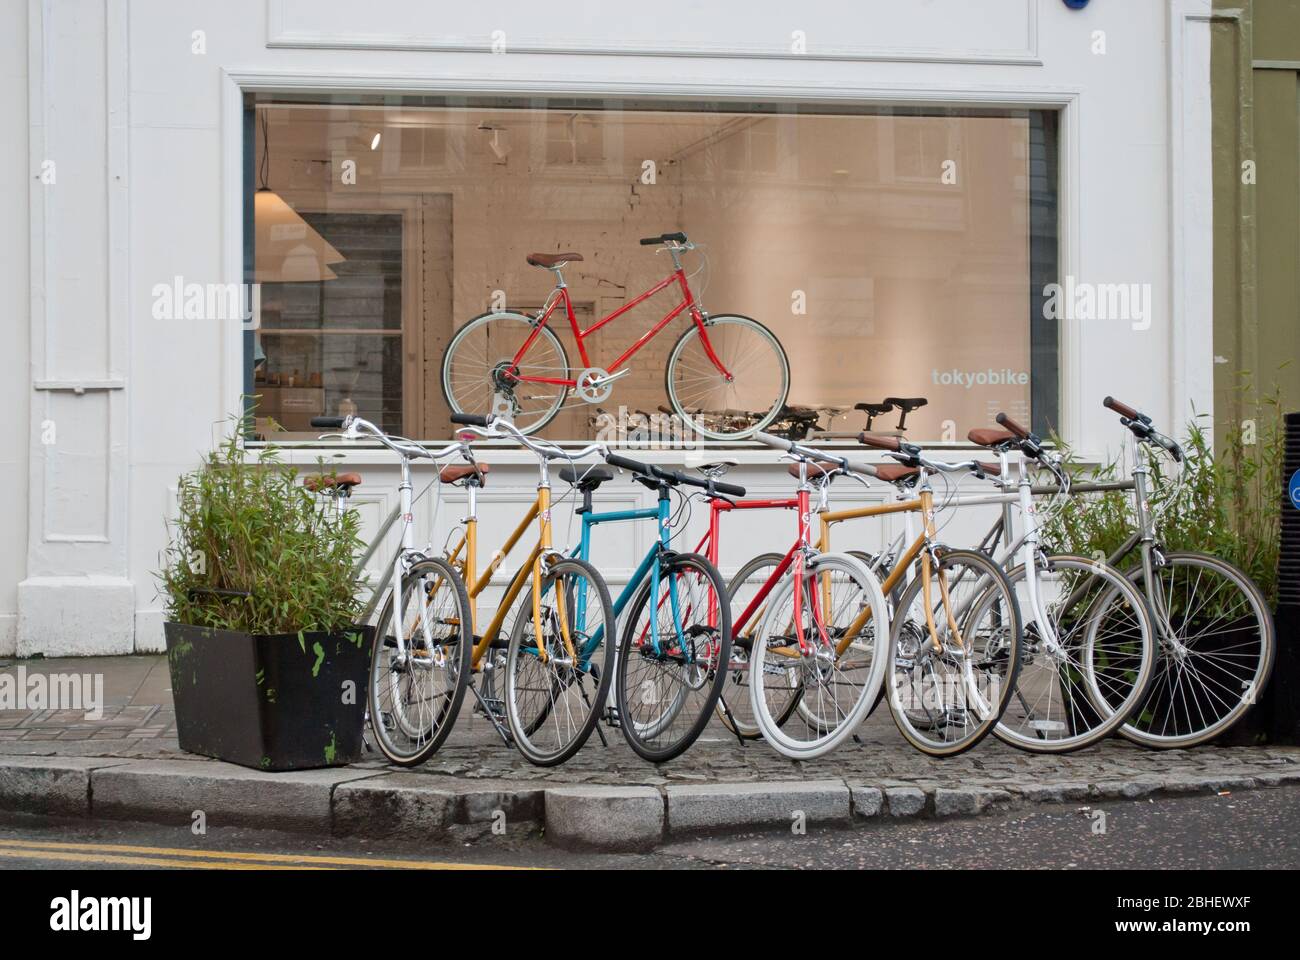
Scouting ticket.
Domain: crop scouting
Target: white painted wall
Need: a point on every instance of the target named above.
(145, 131)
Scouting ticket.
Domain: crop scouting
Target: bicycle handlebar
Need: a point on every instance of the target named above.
(808, 453)
(1017, 429)
(677, 237)
(1140, 424)
(471, 419)
(675, 477)
(1124, 410)
(353, 426)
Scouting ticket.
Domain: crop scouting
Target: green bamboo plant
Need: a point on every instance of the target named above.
(253, 550)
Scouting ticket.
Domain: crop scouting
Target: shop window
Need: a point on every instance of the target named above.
(893, 253)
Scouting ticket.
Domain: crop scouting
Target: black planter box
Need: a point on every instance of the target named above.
(271, 702)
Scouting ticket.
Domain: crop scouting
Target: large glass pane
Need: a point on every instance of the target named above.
(893, 253)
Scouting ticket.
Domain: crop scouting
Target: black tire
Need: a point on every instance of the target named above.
(738, 717)
(482, 319)
(590, 681)
(1205, 678)
(932, 731)
(400, 738)
(690, 668)
(686, 418)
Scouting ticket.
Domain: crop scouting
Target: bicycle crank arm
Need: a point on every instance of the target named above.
(611, 377)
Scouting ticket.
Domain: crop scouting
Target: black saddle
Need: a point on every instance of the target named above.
(586, 478)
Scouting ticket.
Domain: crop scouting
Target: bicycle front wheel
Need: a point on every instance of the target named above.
(476, 376)
(667, 692)
(948, 688)
(557, 681)
(838, 667)
(747, 397)
(1217, 645)
(415, 695)
(1089, 653)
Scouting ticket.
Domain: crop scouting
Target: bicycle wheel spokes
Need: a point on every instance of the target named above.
(557, 681)
(946, 698)
(734, 708)
(1216, 652)
(1078, 688)
(415, 695)
(473, 378)
(706, 399)
(666, 693)
(838, 671)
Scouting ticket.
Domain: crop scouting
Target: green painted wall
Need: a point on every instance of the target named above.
(1255, 75)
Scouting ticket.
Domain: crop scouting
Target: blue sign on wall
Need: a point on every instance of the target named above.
(1293, 489)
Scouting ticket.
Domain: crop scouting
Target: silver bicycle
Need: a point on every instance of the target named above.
(419, 664)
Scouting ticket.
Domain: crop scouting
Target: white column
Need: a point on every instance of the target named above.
(77, 597)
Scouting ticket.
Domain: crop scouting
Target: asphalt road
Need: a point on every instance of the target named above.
(1253, 829)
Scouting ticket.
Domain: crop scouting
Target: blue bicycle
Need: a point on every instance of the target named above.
(671, 661)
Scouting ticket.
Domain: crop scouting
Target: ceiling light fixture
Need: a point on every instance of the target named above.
(286, 247)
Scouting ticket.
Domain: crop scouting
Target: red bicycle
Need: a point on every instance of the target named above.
(727, 375)
(803, 624)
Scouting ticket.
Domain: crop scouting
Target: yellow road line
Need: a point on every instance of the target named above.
(246, 856)
(40, 854)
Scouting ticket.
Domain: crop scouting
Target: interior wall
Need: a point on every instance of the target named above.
(904, 279)
(501, 208)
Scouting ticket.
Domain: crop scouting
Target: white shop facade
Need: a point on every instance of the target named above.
(993, 206)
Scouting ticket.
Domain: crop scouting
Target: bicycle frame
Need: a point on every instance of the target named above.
(710, 546)
(923, 503)
(650, 565)
(561, 295)
(795, 557)
(465, 555)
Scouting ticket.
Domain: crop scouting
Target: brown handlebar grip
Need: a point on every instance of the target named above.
(879, 442)
(1005, 421)
(1123, 409)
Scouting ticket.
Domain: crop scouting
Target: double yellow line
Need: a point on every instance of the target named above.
(191, 859)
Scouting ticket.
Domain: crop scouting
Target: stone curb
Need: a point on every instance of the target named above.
(380, 802)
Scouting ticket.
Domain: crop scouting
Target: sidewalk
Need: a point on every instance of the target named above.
(127, 765)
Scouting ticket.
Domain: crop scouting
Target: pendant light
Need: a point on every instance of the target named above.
(287, 248)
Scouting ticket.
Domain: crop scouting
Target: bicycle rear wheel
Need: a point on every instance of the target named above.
(414, 699)
(838, 669)
(1217, 645)
(735, 709)
(710, 403)
(946, 701)
(557, 683)
(473, 370)
(1080, 688)
(665, 696)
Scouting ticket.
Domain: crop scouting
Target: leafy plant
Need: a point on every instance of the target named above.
(1228, 506)
(253, 550)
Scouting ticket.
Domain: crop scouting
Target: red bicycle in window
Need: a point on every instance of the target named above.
(727, 375)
